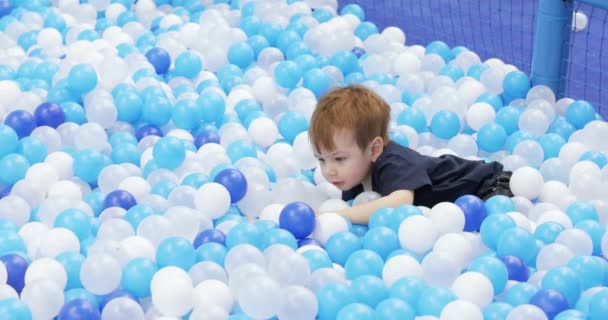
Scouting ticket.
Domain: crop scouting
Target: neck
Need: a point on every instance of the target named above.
(367, 182)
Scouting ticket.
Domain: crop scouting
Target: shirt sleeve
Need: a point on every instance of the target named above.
(397, 173)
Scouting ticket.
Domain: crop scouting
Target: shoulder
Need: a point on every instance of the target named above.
(394, 152)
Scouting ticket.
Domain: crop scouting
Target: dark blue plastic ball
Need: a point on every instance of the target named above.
(160, 59)
(551, 301)
(474, 211)
(234, 181)
(298, 218)
(119, 198)
(79, 309)
(148, 130)
(22, 122)
(518, 270)
(309, 242)
(49, 114)
(210, 235)
(16, 265)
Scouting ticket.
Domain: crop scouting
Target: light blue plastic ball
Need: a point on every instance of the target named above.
(82, 78)
(169, 152)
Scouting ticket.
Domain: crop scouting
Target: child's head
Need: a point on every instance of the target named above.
(348, 131)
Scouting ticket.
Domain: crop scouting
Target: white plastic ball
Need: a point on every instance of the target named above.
(553, 255)
(526, 182)
(440, 269)
(401, 266)
(297, 303)
(44, 298)
(576, 240)
(417, 233)
(526, 312)
(46, 269)
(328, 224)
(461, 309)
(447, 218)
(263, 131)
(258, 297)
(213, 293)
(212, 199)
(207, 270)
(135, 247)
(57, 241)
(457, 246)
(480, 114)
(534, 121)
(172, 291)
(100, 274)
(122, 308)
(474, 287)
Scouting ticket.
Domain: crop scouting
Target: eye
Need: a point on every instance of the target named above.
(321, 160)
(340, 159)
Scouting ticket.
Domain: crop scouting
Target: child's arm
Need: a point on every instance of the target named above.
(360, 214)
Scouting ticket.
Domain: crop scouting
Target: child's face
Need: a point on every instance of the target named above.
(347, 165)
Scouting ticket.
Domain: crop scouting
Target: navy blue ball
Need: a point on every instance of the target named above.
(297, 218)
(49, 114)
(474, 211)
(16, 265)
(207, 136)
(358, 51)
(79, 309)
(160, 59)
(234, 181)
(119, 198)
(5, 191)
(148, 130)
(22, 122)
(309, 242)
(210, 235)
(551, 301)
(118, 293)
(518, 270)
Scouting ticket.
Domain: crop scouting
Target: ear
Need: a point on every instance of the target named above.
(377, 146)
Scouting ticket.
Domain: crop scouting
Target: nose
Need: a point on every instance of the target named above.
(330, 170)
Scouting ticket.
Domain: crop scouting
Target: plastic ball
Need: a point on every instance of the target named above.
(79, 309)
(527, 312)
(82, 78)
(579, 113)
(169, 152)
(213, 199)
(234, 181)
(49, 114)
(445, 124)
(417, 233)
(178, 301)
(298, 218)
(516, 85)
(460, 309)
(356, 311)
(44, 297)
(100, 273)
(341, 245)
(491, 137)
(160, 59)
(401, 266)
(433, 300)
(119, 198)
(16, 266)
(21, 121)
(474, 211)
(188, 64)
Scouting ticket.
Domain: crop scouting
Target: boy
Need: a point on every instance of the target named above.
(349, 134)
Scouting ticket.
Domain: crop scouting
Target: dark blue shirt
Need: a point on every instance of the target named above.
(432, 179)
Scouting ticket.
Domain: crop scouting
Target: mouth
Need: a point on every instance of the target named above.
(338, 184)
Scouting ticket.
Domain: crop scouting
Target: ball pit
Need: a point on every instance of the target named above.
(155, 164)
